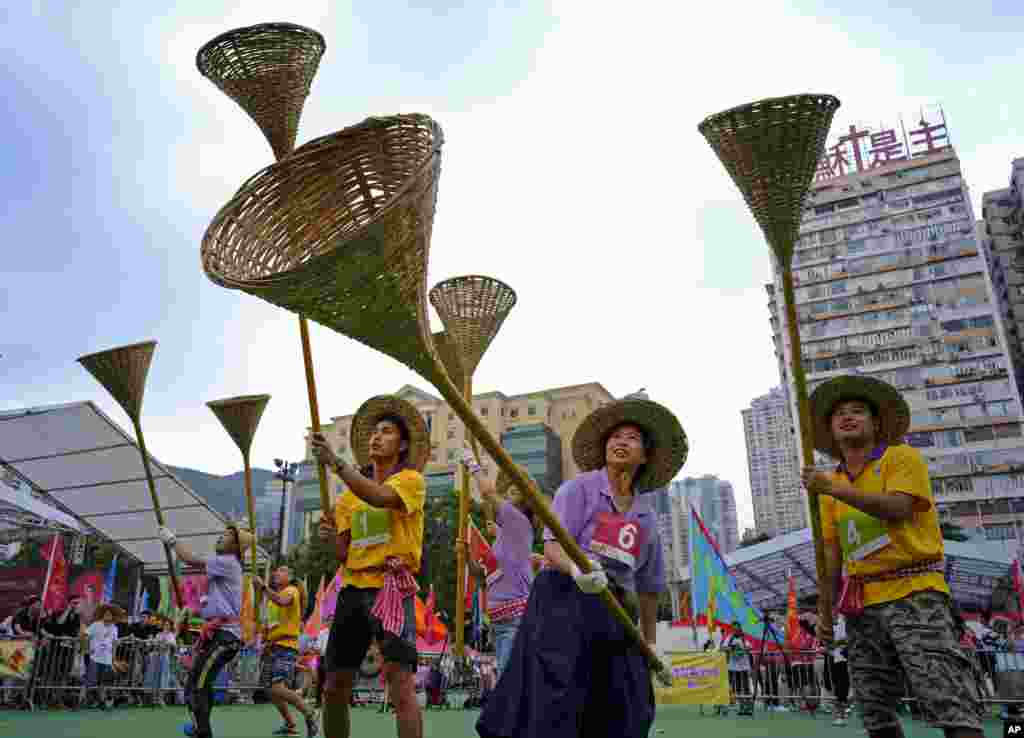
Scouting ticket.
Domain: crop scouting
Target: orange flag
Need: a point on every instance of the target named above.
(792, 621)
(315, 621)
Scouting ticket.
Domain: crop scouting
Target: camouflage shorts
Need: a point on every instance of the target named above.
(909, 646)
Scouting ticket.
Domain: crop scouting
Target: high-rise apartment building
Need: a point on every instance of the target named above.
(715, 502)
(891, 282)
(1001, 232)
(772, 463)
(661, 501)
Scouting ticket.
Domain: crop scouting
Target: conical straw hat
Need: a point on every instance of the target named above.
(240, 416)
(267, 69)
(366, 418)
(122, 371)
(472, 309)
(771, 149)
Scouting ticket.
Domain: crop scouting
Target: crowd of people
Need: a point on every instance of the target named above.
(566, 666)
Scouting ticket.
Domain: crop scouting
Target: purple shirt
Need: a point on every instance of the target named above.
(512, 549)
(224, 590)
(577, 504)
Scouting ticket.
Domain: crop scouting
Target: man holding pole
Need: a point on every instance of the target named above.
(573, 671)
(378, 528)
(884, 554)
(220, 638)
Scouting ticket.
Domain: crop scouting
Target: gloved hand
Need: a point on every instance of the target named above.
(593, 583)
(167, 535)
(664, 674)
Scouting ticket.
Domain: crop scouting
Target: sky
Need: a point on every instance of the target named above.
(572, 170)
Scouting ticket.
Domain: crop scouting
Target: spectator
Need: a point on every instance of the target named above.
(739, 669)
(64, 624)
(26, 620)
(99, 638)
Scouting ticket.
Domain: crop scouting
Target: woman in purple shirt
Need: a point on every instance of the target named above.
(573, 670)
(509, 578)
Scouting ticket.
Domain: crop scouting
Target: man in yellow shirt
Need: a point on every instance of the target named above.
(884, 553)
(281, 649)
(378, 527)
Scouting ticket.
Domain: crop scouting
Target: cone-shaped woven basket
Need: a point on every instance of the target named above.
(340, 232)
(267, 69)
(122, 371)
(240, 416)
(472, 309)
(771, 149)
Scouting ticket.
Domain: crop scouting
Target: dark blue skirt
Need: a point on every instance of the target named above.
(573, 671)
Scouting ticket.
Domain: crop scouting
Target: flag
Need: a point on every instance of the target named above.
(108, 584)
(55, 590)
(144, 601)
(712, 608)
(1018, 587)
(330, 598)
(247, 617)
(165, 607)
(479, 550)
(792, 619)
(435, 630)
(713, 589)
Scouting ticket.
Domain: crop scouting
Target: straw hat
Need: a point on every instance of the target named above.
(245, 538)
(663, 431)
(890, 408)
(365, 421)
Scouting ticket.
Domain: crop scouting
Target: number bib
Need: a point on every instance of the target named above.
(371, 527)
(617, 538)
(861, 535)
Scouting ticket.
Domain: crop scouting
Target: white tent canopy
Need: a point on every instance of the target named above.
(20, 510)
(972, 569)
(89, 466)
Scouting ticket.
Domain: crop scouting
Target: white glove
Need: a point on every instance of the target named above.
(593, 583)
(167, 536)
(664, 674)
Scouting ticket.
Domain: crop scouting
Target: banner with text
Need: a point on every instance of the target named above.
(16, 659)
(697, 679)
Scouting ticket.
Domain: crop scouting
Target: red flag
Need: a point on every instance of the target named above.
(1018, 587)
(792, 619)
(479, 549)
(56, 594)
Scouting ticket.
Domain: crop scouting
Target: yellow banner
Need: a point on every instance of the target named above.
(16, 659)
(697, 679)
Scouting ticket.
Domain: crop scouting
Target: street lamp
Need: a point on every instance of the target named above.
(286, 473)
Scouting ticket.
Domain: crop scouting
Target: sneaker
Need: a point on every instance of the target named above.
(189, 729)
(286, 730)
(312, 729)
(840, 721)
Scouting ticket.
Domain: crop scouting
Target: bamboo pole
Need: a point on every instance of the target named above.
(462, 544)
(806, 440)
(251, 509)
(314, 409)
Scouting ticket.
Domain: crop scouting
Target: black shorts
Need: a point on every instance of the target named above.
(354, 628)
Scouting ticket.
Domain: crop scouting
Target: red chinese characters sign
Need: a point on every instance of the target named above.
(861, 150)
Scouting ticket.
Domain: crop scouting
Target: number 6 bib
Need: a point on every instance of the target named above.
(617, 538)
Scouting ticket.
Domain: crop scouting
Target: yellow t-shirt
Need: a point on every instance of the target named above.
(284, 622)
(378, 533)
(873, 546)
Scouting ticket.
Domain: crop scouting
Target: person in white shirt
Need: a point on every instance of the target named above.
(99, 638)
(839, 671)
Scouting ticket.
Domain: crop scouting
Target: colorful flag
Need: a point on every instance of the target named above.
(55, 590)
(108, 583)
(315, 621)
(792, 617)
(479, 550)
(710, 616)
(713, 589)
(330, 598)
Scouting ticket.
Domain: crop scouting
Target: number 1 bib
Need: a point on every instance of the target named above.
(860, 535)
(616, 538)
(371, 527)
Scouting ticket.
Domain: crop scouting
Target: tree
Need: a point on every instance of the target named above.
(953, 532)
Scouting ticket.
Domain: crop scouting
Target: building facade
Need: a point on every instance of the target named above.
(715, 502)
(773, 465)
(891, 282)
(536, 429)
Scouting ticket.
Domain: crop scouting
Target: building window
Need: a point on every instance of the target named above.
(483, 411)
(513, 413)
(451, 433)
(452, 454)
(531, 409)
(451, 417)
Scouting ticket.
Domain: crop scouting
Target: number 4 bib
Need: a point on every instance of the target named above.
(371, 527)
(860, 535)
(617, 538)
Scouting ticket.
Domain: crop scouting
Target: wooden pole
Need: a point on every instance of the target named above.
(806, 440)
(314, 409)
(251, 509)
(157, 509)
(540, 506)
(461, 550)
